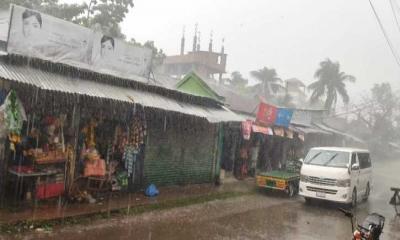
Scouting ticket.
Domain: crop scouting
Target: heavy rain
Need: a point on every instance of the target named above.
(134, 119)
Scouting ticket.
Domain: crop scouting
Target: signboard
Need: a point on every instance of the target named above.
(266, 114)
(37, 35)
(302, 117)
(283, 117)
(4, 19)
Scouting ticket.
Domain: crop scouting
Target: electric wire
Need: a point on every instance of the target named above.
(384, 33)
(394, 14)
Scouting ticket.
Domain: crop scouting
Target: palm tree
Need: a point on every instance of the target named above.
(331, 82)
(268, 79)
(238, 81)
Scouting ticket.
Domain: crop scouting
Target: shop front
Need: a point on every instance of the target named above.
(267, 142)
(80, 140)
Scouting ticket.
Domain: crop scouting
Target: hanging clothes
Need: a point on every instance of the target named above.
(3, 128)
(129, 158)
(135, 141)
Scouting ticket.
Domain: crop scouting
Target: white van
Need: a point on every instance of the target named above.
(336, 174)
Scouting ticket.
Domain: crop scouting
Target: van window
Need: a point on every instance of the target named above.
(327, 158)
(364, 159)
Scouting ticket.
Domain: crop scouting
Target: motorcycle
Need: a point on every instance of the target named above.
(370, 229)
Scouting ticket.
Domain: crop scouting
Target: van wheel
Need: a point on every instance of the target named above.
(308, 200)
(367, 192)
(354, 198)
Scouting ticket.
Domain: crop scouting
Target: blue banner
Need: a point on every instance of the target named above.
(283, 117)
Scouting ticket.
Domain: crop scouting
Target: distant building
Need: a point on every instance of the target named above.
(296, 90)
(207, 63)
(295, 86)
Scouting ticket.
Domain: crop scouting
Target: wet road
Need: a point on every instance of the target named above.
(258, 216)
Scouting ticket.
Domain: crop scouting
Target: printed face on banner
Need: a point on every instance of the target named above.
(38, 35)
(126, 59)
(34, 34)
(31, 23)
(107, 47)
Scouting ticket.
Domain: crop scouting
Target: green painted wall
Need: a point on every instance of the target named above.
(194, 87)
(193, 84)
(182, 154)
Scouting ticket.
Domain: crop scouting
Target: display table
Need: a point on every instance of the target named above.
(20, 176)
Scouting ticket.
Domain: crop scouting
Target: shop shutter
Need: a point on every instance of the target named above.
(176, 157)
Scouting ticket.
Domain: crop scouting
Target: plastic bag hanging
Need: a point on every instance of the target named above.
(14, 113)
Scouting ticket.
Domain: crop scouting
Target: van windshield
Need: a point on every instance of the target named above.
(327, 158)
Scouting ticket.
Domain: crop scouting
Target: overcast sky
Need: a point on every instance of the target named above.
(292, 36)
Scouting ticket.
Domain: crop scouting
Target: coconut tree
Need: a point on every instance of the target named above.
(269, 81)
(238, 81)
(331, 83)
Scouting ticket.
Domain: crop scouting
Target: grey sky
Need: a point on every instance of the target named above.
(291, 36)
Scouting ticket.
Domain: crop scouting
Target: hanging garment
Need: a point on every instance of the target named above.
(137, 133)
(246, 129)
(129, 158)
(279, 131)
(3, 95)
(289, 133)
(3, 128)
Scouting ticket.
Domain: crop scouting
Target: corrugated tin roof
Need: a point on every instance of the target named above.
(56, 82)
(329, 129)
(308, 129)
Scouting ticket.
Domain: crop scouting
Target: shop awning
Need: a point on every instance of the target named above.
(57, 82)
(308, 129)
(329, 129)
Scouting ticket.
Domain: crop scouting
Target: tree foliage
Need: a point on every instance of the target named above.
(268, 81)
(380, 112)
(238, 81)
(109, 14)
(331, 83)
(380, 106)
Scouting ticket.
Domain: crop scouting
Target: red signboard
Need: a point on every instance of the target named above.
(266, 114)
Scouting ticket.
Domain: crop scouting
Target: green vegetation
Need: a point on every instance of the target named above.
(331, 83)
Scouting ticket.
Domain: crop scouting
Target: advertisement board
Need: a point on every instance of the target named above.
(37, 35)
(4, 19)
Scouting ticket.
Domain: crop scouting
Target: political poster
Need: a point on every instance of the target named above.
(4, 19)
(283, 117)
(266, 114)
(37, 35)
(117, 57)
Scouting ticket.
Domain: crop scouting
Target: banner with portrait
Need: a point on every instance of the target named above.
(4, 19)
(37, 35)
